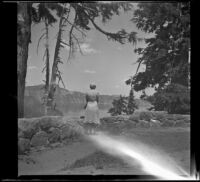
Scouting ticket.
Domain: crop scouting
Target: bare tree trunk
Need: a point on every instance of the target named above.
(23, 40)
(47, 69)
(54, 72)
(189, 54)
(47, 58)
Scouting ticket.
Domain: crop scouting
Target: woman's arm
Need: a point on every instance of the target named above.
(97, 98)
(86, 98)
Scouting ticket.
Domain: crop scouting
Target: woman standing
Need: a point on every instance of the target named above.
(92, 110)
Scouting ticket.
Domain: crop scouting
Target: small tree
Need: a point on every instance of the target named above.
(123, 104)
(119, 106)
(131, 103)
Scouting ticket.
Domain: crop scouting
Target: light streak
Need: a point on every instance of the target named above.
(139, 152)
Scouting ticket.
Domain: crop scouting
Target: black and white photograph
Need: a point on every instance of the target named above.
(103, 88)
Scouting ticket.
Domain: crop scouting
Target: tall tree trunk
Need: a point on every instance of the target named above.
(47, 69)
(23, 40)
(189, 54)
(54, 71)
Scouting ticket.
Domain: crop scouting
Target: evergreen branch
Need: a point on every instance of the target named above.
(116, 36)
(70, 37)
(78, 44)
(75, 26)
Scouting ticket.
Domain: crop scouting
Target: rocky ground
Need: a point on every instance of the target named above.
(54, 145)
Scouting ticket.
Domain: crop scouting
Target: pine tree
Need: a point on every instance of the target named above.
(115, 109)
(122, 104)
(119, 106)
(131, 103)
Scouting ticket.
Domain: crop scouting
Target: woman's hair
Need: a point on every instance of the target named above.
(92, 86)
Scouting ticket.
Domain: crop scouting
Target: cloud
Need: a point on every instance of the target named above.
(117, 86)
(90, 71)
(87, 49)
(119, 48)
(32, 67)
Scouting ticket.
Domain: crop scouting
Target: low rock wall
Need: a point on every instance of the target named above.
(51, 130)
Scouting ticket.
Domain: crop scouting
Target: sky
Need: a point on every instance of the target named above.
(106, 63)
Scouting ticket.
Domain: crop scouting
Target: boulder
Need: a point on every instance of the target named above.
(65, 132)
(54, 135)
(69, 133)
(27, 127)
(74, 123)
(47, 122)
(23, 145)
(39, 139)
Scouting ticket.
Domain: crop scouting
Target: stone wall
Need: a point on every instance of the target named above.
(45, 131)
(143, 119)
(51, 130)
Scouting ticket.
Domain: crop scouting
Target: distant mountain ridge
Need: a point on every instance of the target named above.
(66, 101)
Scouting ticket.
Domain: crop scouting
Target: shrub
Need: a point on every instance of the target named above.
(147, 116)
(119, 106)
(175, 99)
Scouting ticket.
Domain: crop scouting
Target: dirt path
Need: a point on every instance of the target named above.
(50, 161)
(176, 142)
